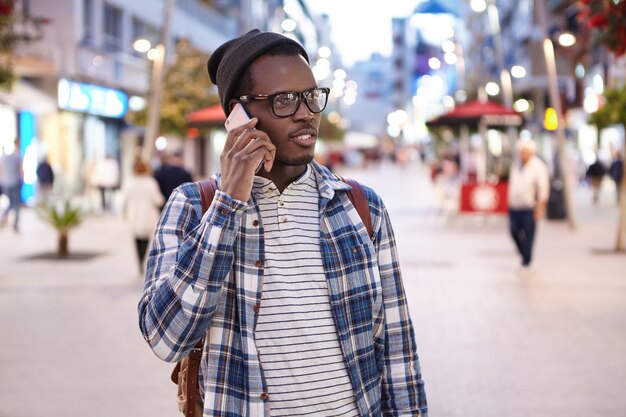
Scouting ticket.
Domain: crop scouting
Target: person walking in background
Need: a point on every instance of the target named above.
(595, 175)
(106, 176)
(11, 178)
(305, 312)
(171, 173)
(616, 172)
(529, 189)
(141, 203)
(45, 180)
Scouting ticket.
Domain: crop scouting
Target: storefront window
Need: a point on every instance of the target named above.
(88, 21)
(112, 27)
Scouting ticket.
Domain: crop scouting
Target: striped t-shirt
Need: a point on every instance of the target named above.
(295, 332)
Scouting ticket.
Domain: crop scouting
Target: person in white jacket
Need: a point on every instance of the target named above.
(529, 189)
(142, 201)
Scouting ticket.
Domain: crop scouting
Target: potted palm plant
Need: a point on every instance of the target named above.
(63, 217)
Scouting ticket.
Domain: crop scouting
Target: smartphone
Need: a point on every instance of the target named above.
(236, 118)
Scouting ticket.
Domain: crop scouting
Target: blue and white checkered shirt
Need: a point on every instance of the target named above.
(205, 271)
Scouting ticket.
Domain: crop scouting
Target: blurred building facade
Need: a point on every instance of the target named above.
(76, 84)
(481, 40)
(369, 113)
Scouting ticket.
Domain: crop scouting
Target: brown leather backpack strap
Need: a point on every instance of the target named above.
(359, 200)
(192, 377)
(207, 189)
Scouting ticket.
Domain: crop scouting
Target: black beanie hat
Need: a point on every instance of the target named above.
(229, 60)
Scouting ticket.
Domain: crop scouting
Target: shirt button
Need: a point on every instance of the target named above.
(282, 203)
(354, 250)
(258, 263)
(283, 220)
(264, 396)
(224, 211)
(256, 308)
(255, 223)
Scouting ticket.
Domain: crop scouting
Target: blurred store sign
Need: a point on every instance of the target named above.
(92, 99)
(483, 198)
(28, 151)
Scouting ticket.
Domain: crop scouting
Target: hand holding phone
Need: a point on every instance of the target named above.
(239, 117)
(245, 147)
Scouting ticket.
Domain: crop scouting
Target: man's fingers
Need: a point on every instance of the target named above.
(264, 147)
(237, 132)
(269, 158)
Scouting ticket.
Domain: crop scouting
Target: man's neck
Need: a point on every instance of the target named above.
(283, 175)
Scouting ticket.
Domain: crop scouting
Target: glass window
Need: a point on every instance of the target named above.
(88, 20)
(112, 27)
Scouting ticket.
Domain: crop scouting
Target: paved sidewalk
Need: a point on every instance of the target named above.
(491, 343)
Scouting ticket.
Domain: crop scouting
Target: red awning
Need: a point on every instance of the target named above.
(210, 116)
(491, 113)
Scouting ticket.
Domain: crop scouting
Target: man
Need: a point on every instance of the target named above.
(305, 313)
(595, 174)
(171, 173)
(11, 178)
(45, 180)
(529, 188)
(106, 176)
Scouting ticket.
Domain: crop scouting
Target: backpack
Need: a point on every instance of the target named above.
(185, 374)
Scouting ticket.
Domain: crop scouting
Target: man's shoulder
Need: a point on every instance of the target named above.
(538, 163)
(161, 170)
(181, 171)
(371, 195)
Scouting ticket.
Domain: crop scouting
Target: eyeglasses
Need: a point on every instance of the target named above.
(287, 103)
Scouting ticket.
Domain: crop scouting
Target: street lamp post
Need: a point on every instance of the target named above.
(154, 102)
(555, 101)
(156, 90)
(505, 77)
(506, 83)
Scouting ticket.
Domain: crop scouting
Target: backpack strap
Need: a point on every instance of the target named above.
(359, 201)
(207, 189)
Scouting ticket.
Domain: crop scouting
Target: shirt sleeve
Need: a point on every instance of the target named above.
(403, 391)
(190, 257)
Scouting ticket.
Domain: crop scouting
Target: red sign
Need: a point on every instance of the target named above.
(484, 198)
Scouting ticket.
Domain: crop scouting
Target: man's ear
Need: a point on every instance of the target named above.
(231, 104)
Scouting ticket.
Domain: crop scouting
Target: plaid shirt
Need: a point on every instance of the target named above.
(206, 272)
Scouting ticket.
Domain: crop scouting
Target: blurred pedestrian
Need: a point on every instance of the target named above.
(45, 180)
(11, 179)
(171, 173)
(106, 176)
(141, 203)
(306, 314)
(595, 175)
(529, 189)
(616, 172)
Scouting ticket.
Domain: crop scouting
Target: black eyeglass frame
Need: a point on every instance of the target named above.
(301, 98)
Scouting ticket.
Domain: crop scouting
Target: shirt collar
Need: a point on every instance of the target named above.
(327, 182)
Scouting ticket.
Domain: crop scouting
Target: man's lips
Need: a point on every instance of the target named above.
(305, 138)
